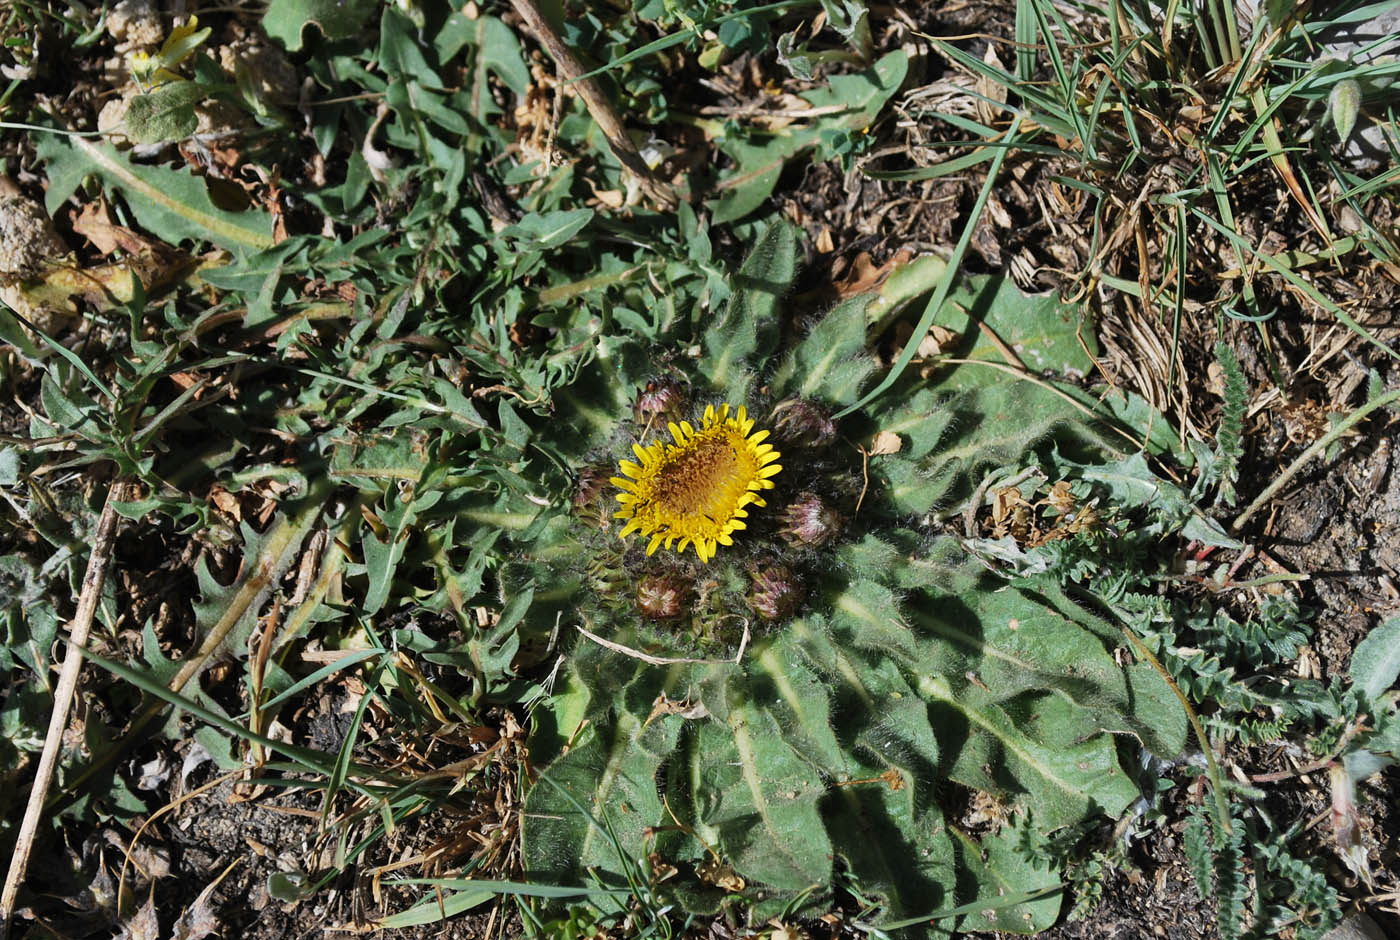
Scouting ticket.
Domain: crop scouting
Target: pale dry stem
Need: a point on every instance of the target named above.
(78, 628)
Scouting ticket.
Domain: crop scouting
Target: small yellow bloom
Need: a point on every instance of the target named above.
(696, 489)
(152, 71)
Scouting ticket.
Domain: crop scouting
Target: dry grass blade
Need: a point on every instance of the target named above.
(103, 543)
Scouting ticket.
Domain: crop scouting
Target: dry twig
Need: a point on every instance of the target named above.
(78, 629)
(597, 102)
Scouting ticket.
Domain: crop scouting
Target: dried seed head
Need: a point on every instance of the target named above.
(776, 593)
(803, 422)
(811, 520)
(663, 596)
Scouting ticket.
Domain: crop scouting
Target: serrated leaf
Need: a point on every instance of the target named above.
(383, 553)
(171, 203)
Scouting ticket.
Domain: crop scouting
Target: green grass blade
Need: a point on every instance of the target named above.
(945, 285)
(1289, 275)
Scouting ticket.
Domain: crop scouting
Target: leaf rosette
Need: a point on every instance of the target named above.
(803, 713)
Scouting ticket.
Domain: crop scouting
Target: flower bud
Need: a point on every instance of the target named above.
(803, 422)
(662, 399)
(590, 483)
(662, 596)
(811, 520)
(776, 593)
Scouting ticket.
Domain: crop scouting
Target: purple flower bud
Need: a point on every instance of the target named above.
(810, 520)
(803, 422)
(590, 483)
(660, 399)
(776, 593)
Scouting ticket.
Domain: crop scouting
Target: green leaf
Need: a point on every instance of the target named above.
(1001, 869)
(1344, 104)
(1375, 663)
(173, 204)
(382, 555)
(747, 330)
(9, 466)
(953, 440)
(167, 113)
(831, 362)
(496, 51)
(761, 799)
(593, 807)
(545, 230)
(1045, 334)
(1064, 781)
(338, 19)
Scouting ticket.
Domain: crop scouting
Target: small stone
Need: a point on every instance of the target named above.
(27, 239)
(1356, 927)
(111, 120)
(135, 24)
(268, 70)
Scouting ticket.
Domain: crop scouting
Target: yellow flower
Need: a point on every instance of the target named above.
(696, 489)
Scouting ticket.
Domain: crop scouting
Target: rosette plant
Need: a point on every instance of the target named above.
(780, 678)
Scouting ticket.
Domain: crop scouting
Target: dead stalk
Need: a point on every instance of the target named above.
(597, 102)
(78, 630)
(1318, 447)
